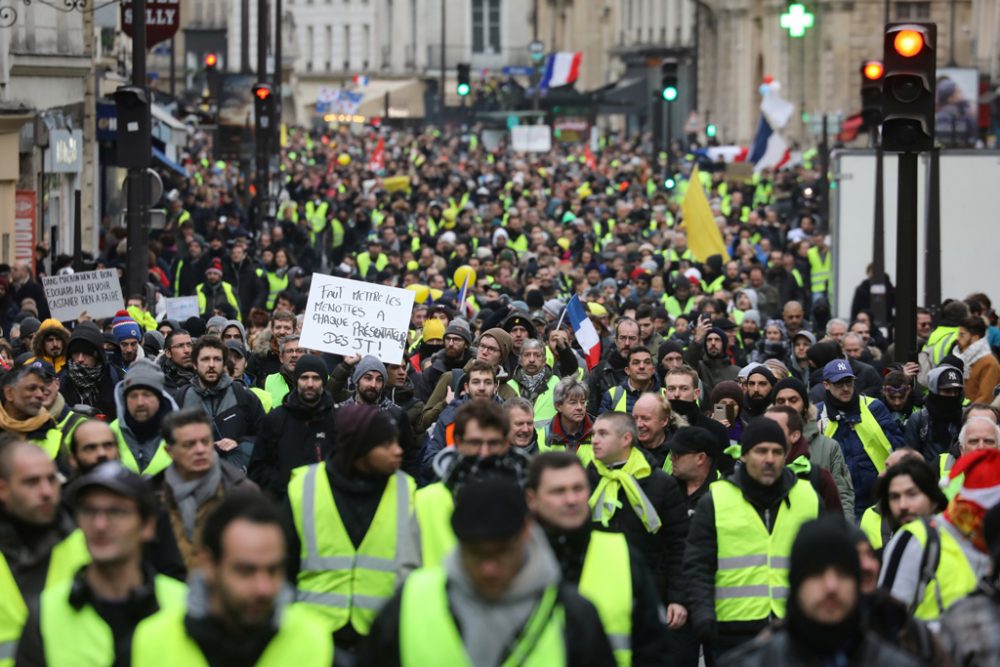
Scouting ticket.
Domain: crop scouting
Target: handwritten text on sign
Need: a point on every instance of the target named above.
(352, 317)
(98, 293)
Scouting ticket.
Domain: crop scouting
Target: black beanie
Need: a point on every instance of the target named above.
(791, 383)
(822, 543)
(761, 369)
(310, 363)
(721, 334)
(666, 348)
(361, 428)
(762, 429)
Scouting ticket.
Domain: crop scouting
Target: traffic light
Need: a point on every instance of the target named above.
(669, 183)
(211, 62)
(871, 92)
(908, 87)
(464, 82)
(668, 81)
(263, 104)
(134, 145)
(711, 130)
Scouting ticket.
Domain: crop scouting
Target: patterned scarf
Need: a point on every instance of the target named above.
(85, 379)
(604, 501)
(967, 517)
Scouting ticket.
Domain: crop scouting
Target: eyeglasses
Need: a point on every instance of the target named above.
(489, 348)
(182, 346)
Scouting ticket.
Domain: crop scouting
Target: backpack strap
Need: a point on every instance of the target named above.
(929, 561)
(457, 376)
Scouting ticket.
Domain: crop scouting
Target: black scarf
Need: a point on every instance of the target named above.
(179, 376)
(144, 431)
(760, 495)
(852, 406)
(85, 380)
(834, 644)
(686, 409)
(755, 406)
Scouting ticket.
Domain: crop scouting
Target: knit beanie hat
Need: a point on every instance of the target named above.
(310, 363)
(461, 329)
(666, 348)
(791, 383)
(361, 428)
(721, 333)
(214, 266)
(760, 430)
(727, 389)
(195, 326)
(125, 328)
(216, 322)
(753, 315)
(820, 544)
(761, 369)
(367, 363)
(143, 373)
(434, 329)
(503, 339)
(30, 325)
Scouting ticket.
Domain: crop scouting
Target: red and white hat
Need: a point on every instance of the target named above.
(214, 265)
(980, 471)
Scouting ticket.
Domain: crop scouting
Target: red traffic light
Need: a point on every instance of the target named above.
(262, 92)
(211, 60)
(908, 43)
(873, 70)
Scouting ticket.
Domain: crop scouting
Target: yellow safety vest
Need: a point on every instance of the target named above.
(67, 557)
(51, 443)
(428, 634)
(277, 387)
(365, 261)
(606, 580)
(940, 343)
(160, 462)
(820, 270)
(544, 408)
(339, 583)
(275, 285)
(871, 526)
(74, 637)
(869, 431)
(751, 582)
(162, 641)
(433, 506)
(227, 289)
(953, 579)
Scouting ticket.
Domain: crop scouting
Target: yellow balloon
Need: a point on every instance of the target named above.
(463, 273)
(436, 293)
(421, 292)
(343, 159)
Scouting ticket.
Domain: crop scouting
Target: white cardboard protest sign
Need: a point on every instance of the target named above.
(97, 293)
(352, 317)
(531, 138)
(182, 307)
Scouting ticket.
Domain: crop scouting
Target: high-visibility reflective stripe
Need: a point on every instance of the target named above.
(739, 562)
(341, 601)
(779, 561)
(7, 650)
(729, 592)
(620, 642)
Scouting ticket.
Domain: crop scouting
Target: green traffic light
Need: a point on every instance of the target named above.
(670, 183)
(711, 130)
(463, 89)
(670, 93)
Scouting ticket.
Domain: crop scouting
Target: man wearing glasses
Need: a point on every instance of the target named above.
(176, 362)
(862, 426)
(611, 371)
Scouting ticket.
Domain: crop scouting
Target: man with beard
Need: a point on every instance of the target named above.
(641, 378)
(610, 372)
(482, 450)
(656, 423)
(932, 430)
(454, 356)
(534, 381)
(239, 611)
(277, 385)
(176, 362)
(906, 491)
(142, 403)
(266, 358)
(747, 518)
(299, 432)
(708, 353)
(235, 412)
(49, 344)
(862, 426)
(93, 442)
(39, 546)
(128, 335)
(824, 623)
(89, 377)
(757, 392)
(605, 569)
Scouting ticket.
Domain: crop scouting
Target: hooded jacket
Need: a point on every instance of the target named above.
(609, 373)
(142, 450)
(49, 327)
(711, 370)
(236, 414)
(91, 337)
(293, 434)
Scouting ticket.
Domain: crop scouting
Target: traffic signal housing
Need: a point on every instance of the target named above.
(464, 81)
(668, 82)
(908, 87)
(263, 104)
(211, 62)
(134, 143)
(872, 72)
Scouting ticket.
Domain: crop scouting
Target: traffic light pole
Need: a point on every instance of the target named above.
(932, 267)
(262, 134)
(906, 258)
(878, 282)
(137, 222)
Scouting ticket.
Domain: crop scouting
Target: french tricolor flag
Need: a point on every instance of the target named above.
(769, 149)
(561, 69)
(584, 331)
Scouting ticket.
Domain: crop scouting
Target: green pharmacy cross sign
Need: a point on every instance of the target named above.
(797, 20)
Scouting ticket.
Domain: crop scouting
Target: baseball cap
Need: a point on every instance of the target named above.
(115, 477)
(45, 367)
(837, 370)
(945, 377)
(238, 347)
(692, 440)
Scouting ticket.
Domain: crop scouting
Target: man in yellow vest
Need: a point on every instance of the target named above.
(142, 403)
(936, 561)
(354, 535)
(496, 600)
(22, 411)
(906, 491)
(820, 268)
(736, 561)
(602, 565)
(29, 503)
(91, 444)
(90, 620)
(215, 294)
(238, 610)
(943, 338)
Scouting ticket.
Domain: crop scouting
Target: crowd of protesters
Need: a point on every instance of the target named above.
(738, 475)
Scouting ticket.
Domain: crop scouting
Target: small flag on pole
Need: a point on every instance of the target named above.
(584, 331)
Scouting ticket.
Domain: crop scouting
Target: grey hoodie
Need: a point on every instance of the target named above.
(144, 374)
(489, 627)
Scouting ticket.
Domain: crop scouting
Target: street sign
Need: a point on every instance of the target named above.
(517, 70)
(154, 187)
(537, 50)
(163, 18)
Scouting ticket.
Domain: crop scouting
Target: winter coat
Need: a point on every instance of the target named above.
(293, 434)
(436, 402)
(105, 402)
(711, 371)
(778, 650)
(263, 361)
(142, 451)
(919, 434)
(663, 551)
(825, 452)
(439, 366)
(236, 414)
(247, 283)
(609, 373)
(38, 344)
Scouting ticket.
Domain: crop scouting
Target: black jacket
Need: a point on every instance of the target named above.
(607, 374)
(648, 631)
(246, 282)
(439, 366)
(292, 435)
(261, 365)
(779, 650)
(663, 551)
(586, 643)
(701, 563)
(90, 336)
(32, 289)
(236, 414)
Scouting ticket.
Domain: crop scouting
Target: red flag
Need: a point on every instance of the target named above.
(377, 160)
(589, 156)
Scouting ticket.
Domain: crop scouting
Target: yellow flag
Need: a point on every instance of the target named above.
(704, 238)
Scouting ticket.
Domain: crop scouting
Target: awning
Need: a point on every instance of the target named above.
(406, 98)
(167, 162)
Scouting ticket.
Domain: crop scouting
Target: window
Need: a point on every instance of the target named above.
(486, 26)
(347, 47)
(366, 45)
(913, 11)
(310, 48)
(328, 51)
